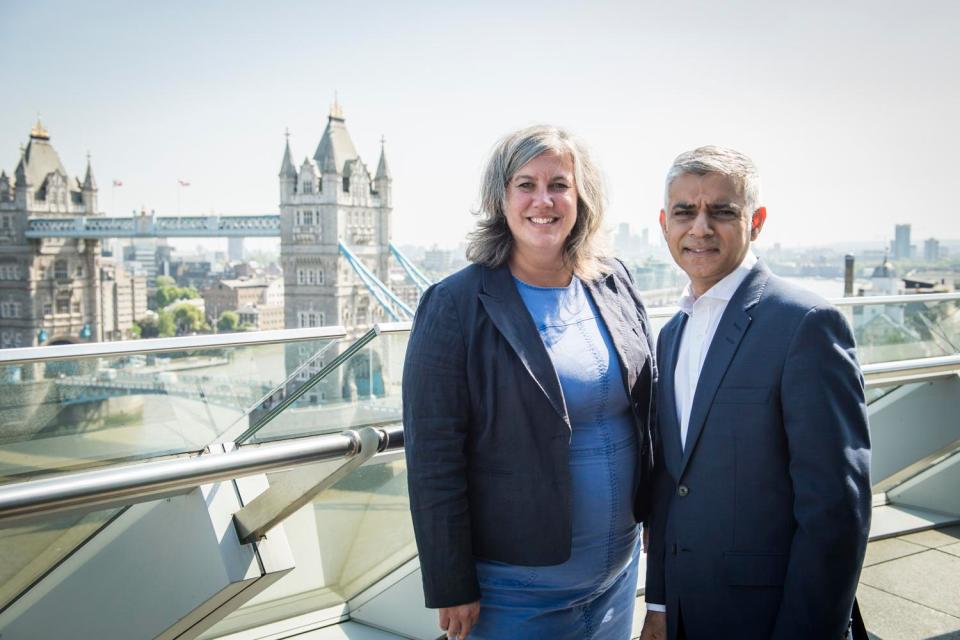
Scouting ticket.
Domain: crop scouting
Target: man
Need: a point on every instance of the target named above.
(762, 492)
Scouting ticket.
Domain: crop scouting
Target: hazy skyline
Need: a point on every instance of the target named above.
(849, 109)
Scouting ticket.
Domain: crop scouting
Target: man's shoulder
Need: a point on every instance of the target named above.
(783, 296)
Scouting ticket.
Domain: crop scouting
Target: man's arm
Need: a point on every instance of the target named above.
(436, 406)
(825, 419)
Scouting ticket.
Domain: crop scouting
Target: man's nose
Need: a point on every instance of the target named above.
(701, 224)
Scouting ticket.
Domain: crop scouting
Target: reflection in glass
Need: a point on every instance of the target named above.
(31, 550)
(904, 330)
(83, 412)
(358, 386)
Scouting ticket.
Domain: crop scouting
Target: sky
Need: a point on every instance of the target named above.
(849, 108)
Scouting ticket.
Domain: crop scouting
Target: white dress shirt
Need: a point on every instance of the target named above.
(703, 316)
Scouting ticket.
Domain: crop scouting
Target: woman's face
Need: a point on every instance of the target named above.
(541, 205)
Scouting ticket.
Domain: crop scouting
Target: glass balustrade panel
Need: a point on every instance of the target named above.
(904, 330)
(350, 387)
(350, 537)
(31, 550)
(71, 414)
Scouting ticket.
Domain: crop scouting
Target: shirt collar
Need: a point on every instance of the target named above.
(724, 289)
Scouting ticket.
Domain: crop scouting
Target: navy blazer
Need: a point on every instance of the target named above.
(486, 430)
(760, 523)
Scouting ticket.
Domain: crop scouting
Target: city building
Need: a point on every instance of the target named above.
(931, 250)
(235, 249)
(332, 198)
(123, 299)
(247, 294)
(50, 289)
(900, 246)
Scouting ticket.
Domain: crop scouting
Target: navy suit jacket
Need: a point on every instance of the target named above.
(486, 431)
(759, 524)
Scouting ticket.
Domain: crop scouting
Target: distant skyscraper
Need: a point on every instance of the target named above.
(235, 249)
(900, 247)
(931, 250)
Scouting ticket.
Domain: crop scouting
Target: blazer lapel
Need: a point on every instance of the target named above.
(669, 424)
(733, 326)
(630, 346)
(509, 314)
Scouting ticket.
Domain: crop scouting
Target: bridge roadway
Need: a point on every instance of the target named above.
(151, 226)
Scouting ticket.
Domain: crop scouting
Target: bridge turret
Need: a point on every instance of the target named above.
(89, 191)
(288, 173)
(383, 180)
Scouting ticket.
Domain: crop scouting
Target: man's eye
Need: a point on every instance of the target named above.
(682, 213)
(725, 213)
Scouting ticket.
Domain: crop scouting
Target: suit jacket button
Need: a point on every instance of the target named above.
(682, 491)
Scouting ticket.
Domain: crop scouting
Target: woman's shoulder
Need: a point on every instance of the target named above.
(455, 289)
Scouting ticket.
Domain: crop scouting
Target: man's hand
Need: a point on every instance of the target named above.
(458, 621)
(654, 626)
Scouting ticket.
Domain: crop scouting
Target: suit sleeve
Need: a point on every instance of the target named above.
(655, 591)
(825, 420)
(436, 419)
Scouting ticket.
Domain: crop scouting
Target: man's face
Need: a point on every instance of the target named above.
(707, 227)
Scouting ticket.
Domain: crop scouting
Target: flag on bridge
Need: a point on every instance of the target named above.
(118, 183)
(183, 183)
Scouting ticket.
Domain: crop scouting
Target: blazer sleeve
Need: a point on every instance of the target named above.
(655, 591)
(825, 420)
(436, 418)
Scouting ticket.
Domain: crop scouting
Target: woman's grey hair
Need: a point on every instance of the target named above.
(723, 160)
(491, 242)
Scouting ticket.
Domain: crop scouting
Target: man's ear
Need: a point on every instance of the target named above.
(756, 222)
(663, 221)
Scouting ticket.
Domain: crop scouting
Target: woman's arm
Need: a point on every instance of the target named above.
(436, 418)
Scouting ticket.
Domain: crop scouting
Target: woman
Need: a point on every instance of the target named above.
(526, 404)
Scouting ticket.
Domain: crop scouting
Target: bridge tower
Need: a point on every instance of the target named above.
(50, 288)
(333, 198)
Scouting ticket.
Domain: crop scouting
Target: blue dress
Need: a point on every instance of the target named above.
(591, 596)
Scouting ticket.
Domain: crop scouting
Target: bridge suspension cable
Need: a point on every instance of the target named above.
(393, 305)
(419, 280)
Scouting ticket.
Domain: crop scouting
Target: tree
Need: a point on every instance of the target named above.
(168, 294)
(229, 321)
(165, 281)
(165, 324)
(188, 319)
(149, 326)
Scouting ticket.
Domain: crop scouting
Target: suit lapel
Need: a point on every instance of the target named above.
(669, 347)
(509, 314)
(733, 326)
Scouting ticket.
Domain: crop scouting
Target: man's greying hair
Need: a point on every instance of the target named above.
(725, 161)
(491, 242)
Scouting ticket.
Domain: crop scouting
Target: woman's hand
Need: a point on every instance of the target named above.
(459, 620)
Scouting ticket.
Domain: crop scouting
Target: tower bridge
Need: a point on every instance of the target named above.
(334, 224)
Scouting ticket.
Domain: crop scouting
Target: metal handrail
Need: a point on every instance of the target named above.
(128, 484)
(853, 301)
(882, 374)
(26, 355)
